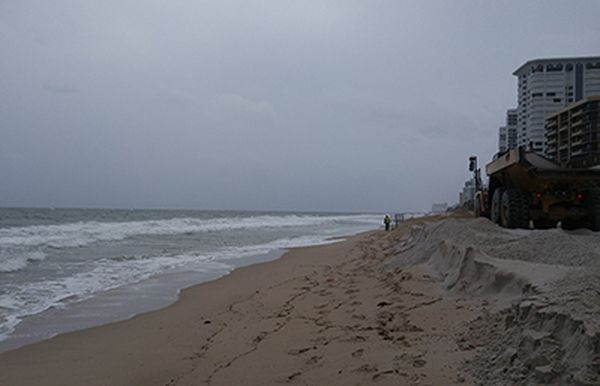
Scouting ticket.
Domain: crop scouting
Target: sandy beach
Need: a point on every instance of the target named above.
(428, 303)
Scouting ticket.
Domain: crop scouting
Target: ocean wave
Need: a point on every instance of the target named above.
(32, 298)
(85, 233)
(11, 261)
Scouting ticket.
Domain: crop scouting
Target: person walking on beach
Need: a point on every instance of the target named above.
(387, 220)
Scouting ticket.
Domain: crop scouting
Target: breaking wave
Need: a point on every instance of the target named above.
(34, 297)
(11, 261)
(85, 233)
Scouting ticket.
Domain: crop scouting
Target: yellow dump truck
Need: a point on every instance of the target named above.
(525, 188)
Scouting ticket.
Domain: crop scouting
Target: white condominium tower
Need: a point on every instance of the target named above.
(546, 86)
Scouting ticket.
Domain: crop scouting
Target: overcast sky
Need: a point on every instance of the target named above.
(284, 105)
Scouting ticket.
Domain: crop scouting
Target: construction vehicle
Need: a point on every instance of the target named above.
(525, 189)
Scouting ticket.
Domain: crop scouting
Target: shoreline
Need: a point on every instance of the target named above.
(55, 357)
(117, 304)
(127, 302)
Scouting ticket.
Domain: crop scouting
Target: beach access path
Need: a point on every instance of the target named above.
(319, 315)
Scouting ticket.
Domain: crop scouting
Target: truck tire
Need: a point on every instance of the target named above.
(570, 224)
(496, 205)
(592, 202)
(514, 210)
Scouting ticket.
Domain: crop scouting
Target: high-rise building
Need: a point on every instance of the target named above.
(502, 139)
(507, 135)
(573, 134)
(548, 85)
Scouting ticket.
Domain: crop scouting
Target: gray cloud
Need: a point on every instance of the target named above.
(335, 105)
(60, 89)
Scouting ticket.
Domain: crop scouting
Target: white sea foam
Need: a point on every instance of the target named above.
(85, 233)
(32, 298)
(11, 260)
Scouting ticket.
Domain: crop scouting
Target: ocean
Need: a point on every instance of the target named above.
(67, 269)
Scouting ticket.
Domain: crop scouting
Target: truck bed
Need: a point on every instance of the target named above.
(532, 172)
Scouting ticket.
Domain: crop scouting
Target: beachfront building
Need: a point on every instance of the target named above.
(573, 134)
(548, 85)
(507, 134)
(467, 194)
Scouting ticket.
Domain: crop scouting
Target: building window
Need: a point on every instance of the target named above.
(554, 68)
(592, 66)
(569, 67)
(538, 68)
(550, 94)
(556, 100)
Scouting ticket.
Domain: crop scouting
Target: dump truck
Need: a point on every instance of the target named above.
(527, 190)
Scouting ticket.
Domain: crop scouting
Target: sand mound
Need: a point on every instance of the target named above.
(468, 270)
(546, 284)
(530, 344)
(462, 254)
(570, 248)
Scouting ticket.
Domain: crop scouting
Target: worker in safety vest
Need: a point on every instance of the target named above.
(387, 220)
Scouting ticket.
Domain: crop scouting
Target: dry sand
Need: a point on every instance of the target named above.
(436, 302)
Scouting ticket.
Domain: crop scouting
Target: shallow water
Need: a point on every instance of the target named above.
(75, 262)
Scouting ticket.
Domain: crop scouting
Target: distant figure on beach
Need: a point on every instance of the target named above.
(387, 220)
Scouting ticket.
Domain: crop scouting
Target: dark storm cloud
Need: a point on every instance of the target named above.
(324, 105)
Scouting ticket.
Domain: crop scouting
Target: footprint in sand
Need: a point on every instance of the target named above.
(313, 360)
(293, 376)
(419, 363)
(356, 338)
(323, 341)
(385, 316)
(382, 374)
(358, 353)
(300, 350)
(366, 368)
